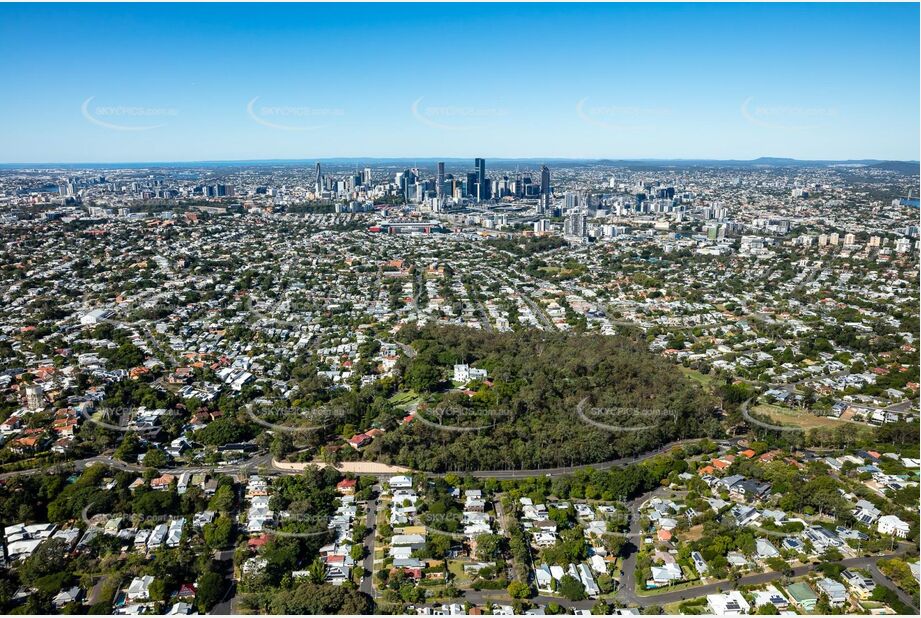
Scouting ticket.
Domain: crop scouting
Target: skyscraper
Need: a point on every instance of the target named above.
(573, 200)
(575, 225)
(544, 203)
(319, 184)
(472, 185)
(407, 182)
(440, 180)
(544, 180)
(480, 165)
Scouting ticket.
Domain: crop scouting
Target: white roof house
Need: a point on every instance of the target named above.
(666, 574)
(174, 534)
(401, 552)
(728, 604)
(544, 577)
(771, 596)
(765, 549)
(157, 536)
(410, 540)
(835, 591)
(598, 564)
(890, 524)
(95, 316)
(585, 575)
(22, 549)
(866, 512)
(139, 588)
(400, 482)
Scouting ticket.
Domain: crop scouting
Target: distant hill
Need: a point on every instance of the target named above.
(903, 167)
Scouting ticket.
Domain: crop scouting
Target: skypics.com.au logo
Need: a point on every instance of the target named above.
(624, 419)
(127, 117)
(460, 419)
(292, 117)
(297, 420)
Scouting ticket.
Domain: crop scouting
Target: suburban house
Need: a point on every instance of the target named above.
(803, 596)
(728, 604)
(835, 591)
(861, 585)
(359, 440)
(139, 588)
(771, 596)
(890, 524)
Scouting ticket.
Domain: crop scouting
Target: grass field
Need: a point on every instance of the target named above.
(404, 398)
(456, 568)
(699, 604)
(704, 380)
(694, 533)
(797, 418)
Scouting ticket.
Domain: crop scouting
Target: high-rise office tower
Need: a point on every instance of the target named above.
(544, 203)
(573, 200)
(544, 180)
(366, 176)
(480, 165)
(440, 180)
(319, 183)
(471, 185)
(407, 182)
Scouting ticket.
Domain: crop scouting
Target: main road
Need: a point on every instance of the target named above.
(253, 463)
(566, 470)
(265, 464)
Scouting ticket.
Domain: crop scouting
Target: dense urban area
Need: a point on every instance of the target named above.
(460, 387)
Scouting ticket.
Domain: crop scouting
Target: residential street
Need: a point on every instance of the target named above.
(661, 599)
(367, 583)
(882, 580)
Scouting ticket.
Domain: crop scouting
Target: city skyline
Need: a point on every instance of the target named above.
(327, 82)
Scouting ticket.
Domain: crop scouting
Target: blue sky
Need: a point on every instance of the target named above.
(125, 83)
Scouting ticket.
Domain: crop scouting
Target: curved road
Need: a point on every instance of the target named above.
(117, 464)
(266, 461)
(565, 470)
(882, 580)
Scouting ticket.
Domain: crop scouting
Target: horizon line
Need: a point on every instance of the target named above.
(867, 160)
